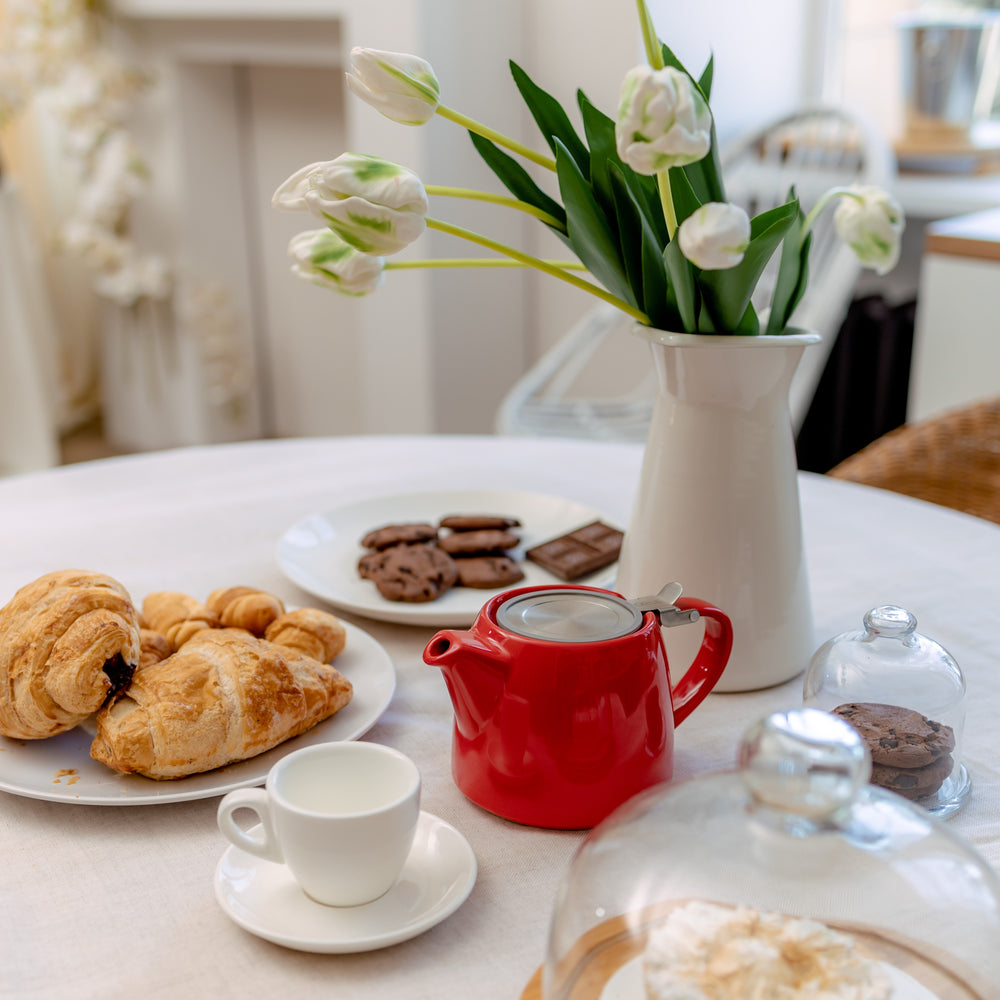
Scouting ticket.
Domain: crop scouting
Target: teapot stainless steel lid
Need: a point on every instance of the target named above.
(570, 614)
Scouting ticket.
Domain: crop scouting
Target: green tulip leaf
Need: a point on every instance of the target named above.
(726, 293)
(591, 236)
(630, 232)
(516, 179)
(685, 289)
(600, 132)
(707, 76)
(641, 252)
(793, 274)
(551, 119)
(683, 195)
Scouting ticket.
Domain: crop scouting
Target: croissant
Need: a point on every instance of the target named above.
(245, 607)
(68, 641)
(316, 633)
(153, 647)
(176, 616)
(224, 696)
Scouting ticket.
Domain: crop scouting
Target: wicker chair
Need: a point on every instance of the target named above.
(952, 459)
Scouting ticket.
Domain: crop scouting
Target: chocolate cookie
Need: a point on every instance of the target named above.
(399, 534)
(914, 782)
(487, 572)
(473, 522)
(898, 737)
(369, 563)
(480, 542)
(413, 573)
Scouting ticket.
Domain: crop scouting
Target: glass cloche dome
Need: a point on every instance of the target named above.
(788, 879)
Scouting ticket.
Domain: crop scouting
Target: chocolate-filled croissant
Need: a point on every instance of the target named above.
(224, 696)
(68, 641)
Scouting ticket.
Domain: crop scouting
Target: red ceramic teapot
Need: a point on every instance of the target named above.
(563, 702)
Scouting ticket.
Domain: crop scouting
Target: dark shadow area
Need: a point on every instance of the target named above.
(863, 390)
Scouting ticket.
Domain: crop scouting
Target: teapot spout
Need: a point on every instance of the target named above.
(475, 674)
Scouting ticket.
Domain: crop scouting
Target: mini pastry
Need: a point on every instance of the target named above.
(68, 641)
(245, 607)
(316, 633)
(224, 696)
(176, 616)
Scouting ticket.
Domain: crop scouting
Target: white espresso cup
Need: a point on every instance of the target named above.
(341, 816)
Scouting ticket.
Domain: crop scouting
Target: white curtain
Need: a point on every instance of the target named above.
(29, 437)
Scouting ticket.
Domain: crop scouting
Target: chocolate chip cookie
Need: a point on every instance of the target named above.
(399, 534)
(914, 782)
(898, 737)
(481, 542)
(412, 573)
(487, 572)
(472, 522)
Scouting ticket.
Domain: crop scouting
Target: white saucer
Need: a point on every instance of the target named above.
(263, 898)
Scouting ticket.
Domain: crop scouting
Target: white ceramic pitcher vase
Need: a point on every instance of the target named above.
(717, 507)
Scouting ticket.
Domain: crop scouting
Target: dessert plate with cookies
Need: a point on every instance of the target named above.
(435, 557)
(107, 702)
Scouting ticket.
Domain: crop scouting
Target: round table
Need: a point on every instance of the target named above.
(116, 902)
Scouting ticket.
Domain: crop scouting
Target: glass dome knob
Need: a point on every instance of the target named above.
(890, 620)
(804, 762)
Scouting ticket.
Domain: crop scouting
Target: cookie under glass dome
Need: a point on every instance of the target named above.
(746, 884)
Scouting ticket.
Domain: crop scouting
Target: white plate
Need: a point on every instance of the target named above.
(61, 769)
(263, 898)
(320, 553)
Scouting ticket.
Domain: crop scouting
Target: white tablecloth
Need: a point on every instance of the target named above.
(118, 902)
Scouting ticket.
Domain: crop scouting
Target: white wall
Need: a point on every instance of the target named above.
(763, 53)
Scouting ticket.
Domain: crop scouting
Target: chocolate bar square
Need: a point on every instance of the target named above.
(578, 552)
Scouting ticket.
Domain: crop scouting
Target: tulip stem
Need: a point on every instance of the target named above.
(667, 201)
(654, 56)
(402, 265)
(498, 137)
(825, 199)
(541, 265)
(497, 199)
(654, 51)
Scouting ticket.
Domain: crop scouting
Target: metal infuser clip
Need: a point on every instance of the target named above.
(663, 606)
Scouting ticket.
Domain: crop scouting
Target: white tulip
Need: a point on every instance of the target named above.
(323, 258)
(376, 206)
(870, 221)
(663, 120)
(400, 86)
(715, 236)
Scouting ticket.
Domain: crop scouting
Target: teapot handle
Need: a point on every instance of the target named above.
(709, 662)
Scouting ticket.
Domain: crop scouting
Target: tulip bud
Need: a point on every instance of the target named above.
(870, 221)
(663, 120)
(401, 87)
(715, 236)
(376, 206)
(323, 258)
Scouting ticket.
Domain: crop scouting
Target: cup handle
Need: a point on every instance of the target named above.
(709, 662)
(254, 799)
